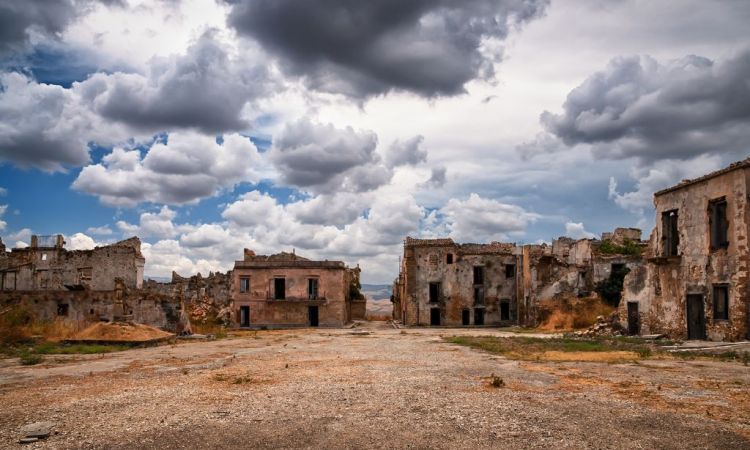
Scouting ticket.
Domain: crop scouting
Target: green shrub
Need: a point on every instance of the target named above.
(30, 359)
(628, 247)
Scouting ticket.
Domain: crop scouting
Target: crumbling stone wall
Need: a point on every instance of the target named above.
(567, 268)
(206, 299)
(452, 265)
(660, 290)
(53, 268)
(82, 308)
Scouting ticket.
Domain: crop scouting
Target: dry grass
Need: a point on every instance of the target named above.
(571, 313)
(18, 324)
(562, 349)
(219, 331)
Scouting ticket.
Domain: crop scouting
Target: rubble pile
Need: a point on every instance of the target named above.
(604, 326)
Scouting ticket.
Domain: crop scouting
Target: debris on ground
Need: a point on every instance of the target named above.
(35, 431)
(604, 326)
(123, 332)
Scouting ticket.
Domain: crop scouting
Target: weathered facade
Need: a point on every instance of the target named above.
(286, 290)
(499, 284)
(46, 265)
(695, 282)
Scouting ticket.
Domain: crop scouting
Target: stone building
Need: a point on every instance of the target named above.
(499, 284)
(46, 265)
(695, 282)
(285, 290)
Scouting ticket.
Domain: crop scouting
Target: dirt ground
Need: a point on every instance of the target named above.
(387, 389)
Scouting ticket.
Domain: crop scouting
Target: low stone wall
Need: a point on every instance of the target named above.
(80, 308)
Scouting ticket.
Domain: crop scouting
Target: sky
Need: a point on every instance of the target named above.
(337, 128)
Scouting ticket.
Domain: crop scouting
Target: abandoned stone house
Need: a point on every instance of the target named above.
(442, 283)
(83, 286)
(286, 290)
(46, 265)
(694, 283)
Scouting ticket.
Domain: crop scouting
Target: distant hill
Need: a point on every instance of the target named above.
(378, 298)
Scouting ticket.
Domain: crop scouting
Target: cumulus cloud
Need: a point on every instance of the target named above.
(204, 89)
(323, 158)
(650, 180)
(80, 241)
(187, 168)
(364, 48)
(42, 125)
(638, 107)
(406, 153)
(335, 209)
(576, 230)
(479, 219)
(157, 224)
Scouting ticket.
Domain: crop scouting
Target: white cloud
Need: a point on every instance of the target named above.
(478, 219)
(3, 224)
(189, 167)
(157, 225)
(576, 230)
(99, 231)
(650, 180)
(80, 241)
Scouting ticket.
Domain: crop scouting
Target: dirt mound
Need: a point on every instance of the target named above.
(564, 314)
(121, 332)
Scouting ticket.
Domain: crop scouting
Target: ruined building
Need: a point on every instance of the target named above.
(499, 284)
(47, 266)
(694, 284)
(288, 290)
(80, 287)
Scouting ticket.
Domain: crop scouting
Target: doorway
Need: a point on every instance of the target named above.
(465, 317)
(312, 315)
(634, 319)
(479, 316)
(435, 317)
(696, 317)
(504, 310)
(244, 316)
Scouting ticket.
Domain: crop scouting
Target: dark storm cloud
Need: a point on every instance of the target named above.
(364, 47)
(638, 107)
(203, 89)
(17, 18)
(324, 158)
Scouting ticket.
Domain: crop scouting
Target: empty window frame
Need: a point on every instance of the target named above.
(62, 309)
(670, 236)
(718, 223)
(84, 276)
(721, 302)
(478, 295)
(510, 270)
(244, 284)
(279, 288)
(478, 274)
(449, 258)
(434, 292)
(312, 288)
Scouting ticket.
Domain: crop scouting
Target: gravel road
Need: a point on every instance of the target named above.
(387, 389)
